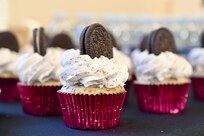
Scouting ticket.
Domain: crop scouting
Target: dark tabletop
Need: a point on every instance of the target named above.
(13, 122)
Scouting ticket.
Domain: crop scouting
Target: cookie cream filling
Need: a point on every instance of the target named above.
(82, 70)
(7, 61)
(165, 67)
(38, 39)
(196, 58)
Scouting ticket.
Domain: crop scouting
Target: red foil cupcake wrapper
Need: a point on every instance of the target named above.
(91, 111)
(162, 98)
(40, 100)
(198, 87)
(9, 90)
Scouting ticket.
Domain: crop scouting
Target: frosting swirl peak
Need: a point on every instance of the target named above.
(167, 65)
(196, 58)
(82, 70)
(32, 67)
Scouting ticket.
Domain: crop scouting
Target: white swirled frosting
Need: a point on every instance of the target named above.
(167, 65)
(82, 70)
(55, 54)
(8, 60)
(32, 67)
(196, 58)
(124, 59)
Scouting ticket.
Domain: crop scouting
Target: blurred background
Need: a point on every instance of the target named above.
(128, 20)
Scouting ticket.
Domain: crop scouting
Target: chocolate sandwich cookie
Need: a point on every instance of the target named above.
(144, 43)
(9, 40)
(161, 40)
(82, 47)
(95, 41)
(39, 41)
(61, 40)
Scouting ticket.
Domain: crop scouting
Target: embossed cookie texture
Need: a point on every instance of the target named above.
(96, 41)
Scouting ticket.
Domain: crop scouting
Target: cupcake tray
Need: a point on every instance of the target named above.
(13, 122)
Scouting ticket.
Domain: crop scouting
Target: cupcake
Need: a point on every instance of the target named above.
(39, 79)
(162, 83)
(9, 48)
(93, 91)
(196, 58)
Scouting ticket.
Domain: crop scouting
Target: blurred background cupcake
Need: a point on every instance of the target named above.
(9, 48)
(196, 58)
(39, 79)
(162, 83)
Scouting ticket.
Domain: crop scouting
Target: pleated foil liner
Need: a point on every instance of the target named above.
(40, 100)
(198, 87)
(166, 98)
(91, 111)
(9, 90)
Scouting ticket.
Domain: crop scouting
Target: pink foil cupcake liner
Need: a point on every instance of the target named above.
(162, 98)
(40, 100)
(9, 90)
(198, 87)
(91, 111)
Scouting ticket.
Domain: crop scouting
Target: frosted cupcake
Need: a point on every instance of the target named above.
(8, 79)
(196, 58)
(39, 79)
(92, 95)
(162, 77)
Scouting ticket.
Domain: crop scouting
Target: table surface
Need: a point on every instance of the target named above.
(13, 122)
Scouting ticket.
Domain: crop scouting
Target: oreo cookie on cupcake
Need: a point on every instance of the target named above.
(39, 81)
(9, 48)
(58, 36)
(92, 95)
(61, 40)
(162, 83)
